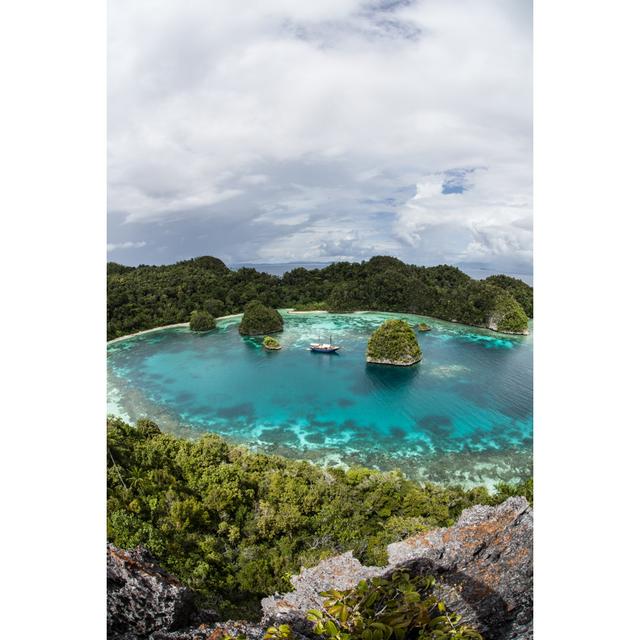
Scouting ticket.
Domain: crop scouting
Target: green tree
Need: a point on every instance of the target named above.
(258, 319)
(233, 524)
(202, 321)
(215, 307)
(394, 342)
(152, 296)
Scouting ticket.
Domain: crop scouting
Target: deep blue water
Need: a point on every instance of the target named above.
(463, 414)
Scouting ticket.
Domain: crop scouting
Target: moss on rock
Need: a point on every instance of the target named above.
(394, 343)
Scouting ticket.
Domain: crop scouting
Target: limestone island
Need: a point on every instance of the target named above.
(201, 321)
(422, 327)
(394, 343)
(271, 343)
(259, 320)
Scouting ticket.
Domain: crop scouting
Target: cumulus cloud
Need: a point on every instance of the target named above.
(488, 210)
(324, 130)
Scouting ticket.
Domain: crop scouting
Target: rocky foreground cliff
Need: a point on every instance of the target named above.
(483, 564)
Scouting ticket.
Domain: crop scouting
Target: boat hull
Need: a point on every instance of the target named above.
(319, 349)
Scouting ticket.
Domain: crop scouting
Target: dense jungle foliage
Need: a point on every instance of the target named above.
(150, 296)
(394, 340)
(202, 321)
(506, 314)
(233, 525)
(259, 319)
(521, 291)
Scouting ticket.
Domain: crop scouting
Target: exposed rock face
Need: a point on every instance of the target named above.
(217, 631)
(141, 597)
(484, 565)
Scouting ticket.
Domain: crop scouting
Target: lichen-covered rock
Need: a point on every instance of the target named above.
(141, 597)
(216, 631)
(484, 565)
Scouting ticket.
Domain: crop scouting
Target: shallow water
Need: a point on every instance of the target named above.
(463, 414)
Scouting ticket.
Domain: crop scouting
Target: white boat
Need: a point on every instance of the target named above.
(324, 347)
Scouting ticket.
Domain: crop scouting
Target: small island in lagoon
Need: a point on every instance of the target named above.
(258, 320)
(271, 344)
(423, 327)
(201, 321)
(394, 343)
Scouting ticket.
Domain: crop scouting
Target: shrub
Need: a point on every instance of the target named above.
(270, 343)
(259, 319)
(394, 341)
(147, 427)
(202, 321)
(401, 607)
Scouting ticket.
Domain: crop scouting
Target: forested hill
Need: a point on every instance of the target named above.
(144, 297)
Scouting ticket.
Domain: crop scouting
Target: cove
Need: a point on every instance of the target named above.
(462, 415)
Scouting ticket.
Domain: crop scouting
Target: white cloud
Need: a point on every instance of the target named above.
(125, 245)
(308, 109)
(494, 212)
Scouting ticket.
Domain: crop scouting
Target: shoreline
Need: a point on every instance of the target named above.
(165, 326)
(477, 468)
(291, 311)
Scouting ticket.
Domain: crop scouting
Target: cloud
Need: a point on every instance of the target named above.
(125, 245)
(305, 122)
(489, 214)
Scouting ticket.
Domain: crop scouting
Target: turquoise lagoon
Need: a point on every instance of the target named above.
(463, 414)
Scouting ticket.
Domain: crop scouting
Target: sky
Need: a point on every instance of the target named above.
(279, 130)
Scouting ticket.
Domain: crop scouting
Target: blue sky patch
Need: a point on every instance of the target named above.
(456, 181)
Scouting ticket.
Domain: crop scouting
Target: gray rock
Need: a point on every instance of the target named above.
(484, 565)
(142, 598)
(217, 631)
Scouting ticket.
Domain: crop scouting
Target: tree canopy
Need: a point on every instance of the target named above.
(233, 525)
(202, 321)
(145, 297)
(258, 319)
(521, 291)
(394, 342)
